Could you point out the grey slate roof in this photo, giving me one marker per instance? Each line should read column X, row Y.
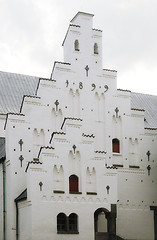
column 13, row 86
column 149, row 104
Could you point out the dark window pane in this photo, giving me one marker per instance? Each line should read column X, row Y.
column 73, row 222
column 61, row 222
column 115, row 145
column 73, row 183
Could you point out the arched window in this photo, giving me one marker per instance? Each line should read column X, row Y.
column 96, row 48
column 115, row 145
column 73, row 222
column 73, row 183
column 76, row 45
column 61, row 222
column 67, row 224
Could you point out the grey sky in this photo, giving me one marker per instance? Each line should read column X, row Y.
column 32, row 32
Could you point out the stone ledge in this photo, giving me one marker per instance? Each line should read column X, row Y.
column 58, row 191
column 91, row 193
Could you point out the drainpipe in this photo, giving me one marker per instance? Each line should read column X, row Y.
column 17, row 221
column 4, row 210
column 21, row 197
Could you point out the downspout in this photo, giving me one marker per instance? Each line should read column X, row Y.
column 17, row 220
column 4, row 210
column 4, row 231
column 21, row 197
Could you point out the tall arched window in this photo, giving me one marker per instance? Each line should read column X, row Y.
column 115, row 145
column 76, row 45
column 73, row 222
column 73, row 183
column 61, row 222
column 96, row 48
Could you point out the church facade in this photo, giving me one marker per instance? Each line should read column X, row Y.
column 78, row 157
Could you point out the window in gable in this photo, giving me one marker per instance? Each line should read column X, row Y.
column 96, row 48
column 76, row 45
column 115, row 145
column 73, row 183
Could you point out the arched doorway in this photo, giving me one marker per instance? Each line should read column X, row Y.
column 101, row 223
column 105, row 223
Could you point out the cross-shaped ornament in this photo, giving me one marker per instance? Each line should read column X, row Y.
column 56, row 103
column 21, row 143
column 108, row 188
column 21, row 158
column 74, row 147
column 148, row 154
column 117, row 110
column 40, row 184
column 67, row 83
column 87, row 69
column 148, row 168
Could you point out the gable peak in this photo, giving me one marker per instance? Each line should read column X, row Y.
column 81, row 16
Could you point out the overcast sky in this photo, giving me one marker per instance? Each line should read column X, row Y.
column 32, row 32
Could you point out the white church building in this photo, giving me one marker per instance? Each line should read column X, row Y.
column 78, row 157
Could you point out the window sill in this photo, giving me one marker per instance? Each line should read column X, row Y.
column 116, row 154
column 68, row 232
column 117, row 165
column 91, row 193
column 75, row 192
column 133, row 166
column 58, row 191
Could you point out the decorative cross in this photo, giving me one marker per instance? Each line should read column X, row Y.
column 108, row 188
column 74, row 147
column 67, row 83
column 21, row 159
column 20, row 142
column 87, row 69
column 148, row 168
column 56, row 103
column 148, row 154
column 116, row 110
column 40, row 184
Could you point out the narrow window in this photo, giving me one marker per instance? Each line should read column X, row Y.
column 76, row 45
column 73, row 183
column 73, row 222
column 61, row 222
column 96, row 48
column 115, row 145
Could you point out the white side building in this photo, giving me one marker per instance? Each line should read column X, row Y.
column 78, row 157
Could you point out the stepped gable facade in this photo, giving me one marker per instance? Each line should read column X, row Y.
column 78, row 157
